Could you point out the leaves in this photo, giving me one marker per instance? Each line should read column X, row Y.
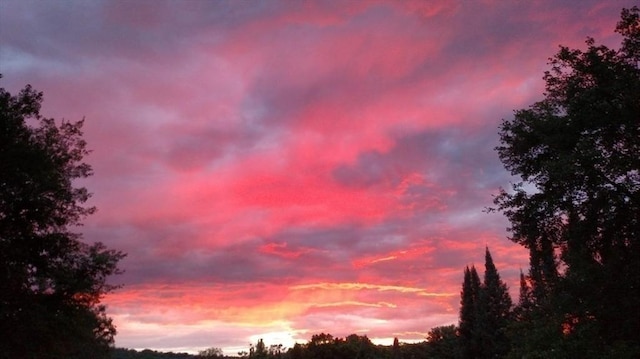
column 51, row 282
column 577, row 208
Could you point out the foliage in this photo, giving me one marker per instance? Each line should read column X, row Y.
column 497, row 308
column 51, row 283
column 212, row 352
column 577, row 208
column 485, row 312
column 469, row 312
column 350, row 347
column 443, row 342
column 353, row 346
column 395, row 349
column 324, row 345
column 122, row 353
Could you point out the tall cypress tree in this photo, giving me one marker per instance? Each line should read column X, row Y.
column 469, row 312
column 485, row 313
column 496, row 304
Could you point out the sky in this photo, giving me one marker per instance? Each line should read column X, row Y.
column 278, row 169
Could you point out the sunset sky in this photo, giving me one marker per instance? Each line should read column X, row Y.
column 277, row 169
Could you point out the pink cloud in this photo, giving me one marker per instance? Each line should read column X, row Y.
column 281, row 250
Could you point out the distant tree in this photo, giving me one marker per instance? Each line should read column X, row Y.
column 259, row 351
column 51, row 283
column 415, row 350
column 443, row 342
column 121, row 353
column 297, row 351
column 322, row 346
column 395, row 349
column 326, row 346
column 355, row 346
column 322, row 338
column 211, row 353
column 577, row 153
column 276, row 351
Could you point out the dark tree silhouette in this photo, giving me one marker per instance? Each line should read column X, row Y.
column 443, row 342
column 395, row 349
column 485, row 313
column 51, row 283
column 259, row 350
column 577, row 208
column 469, row 314
column 210, row 353
column 496, row 305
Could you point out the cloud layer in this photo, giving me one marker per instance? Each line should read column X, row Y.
column 279, row 169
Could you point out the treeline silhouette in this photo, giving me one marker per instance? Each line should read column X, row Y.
column 320, row 346
column 123, row 353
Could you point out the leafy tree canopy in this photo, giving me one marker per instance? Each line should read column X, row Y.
column 577, row 206
column 51, row 282
column 209, row 353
